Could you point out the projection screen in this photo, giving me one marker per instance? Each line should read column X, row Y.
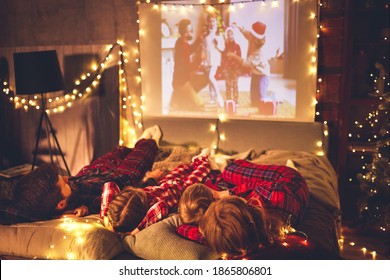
column 248, row 60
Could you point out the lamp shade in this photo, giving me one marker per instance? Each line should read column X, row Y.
column 37, row 72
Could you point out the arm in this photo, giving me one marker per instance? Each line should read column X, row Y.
column 152, row 177
column 239, row 60
column 155, row 214
column 244, row 32
column 219, row 43
column 235, row 57
column 80, row 211
column 198, row 42
column 238, row 50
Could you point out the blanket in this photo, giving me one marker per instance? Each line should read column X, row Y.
column 86, row 238
column 317, row 171
column 168, row 158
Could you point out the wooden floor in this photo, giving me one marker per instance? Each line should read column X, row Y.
column 364, row 244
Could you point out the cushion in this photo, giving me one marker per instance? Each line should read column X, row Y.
column 9, row 214
column 161, row 242
column 76, row 238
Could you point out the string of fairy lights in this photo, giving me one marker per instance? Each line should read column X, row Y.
column 217, row 127
column 371, row 121
column 132, row 104
column 82, row 89
column 74, row 233
column 365, row 130
column 131, row 117
column 83, row 86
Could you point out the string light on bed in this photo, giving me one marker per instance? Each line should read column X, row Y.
column 75, row 230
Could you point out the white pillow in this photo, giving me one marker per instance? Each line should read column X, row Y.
column 75, row 238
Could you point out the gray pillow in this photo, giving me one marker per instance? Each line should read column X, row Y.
column 161, row 242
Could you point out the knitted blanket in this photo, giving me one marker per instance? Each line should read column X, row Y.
column 170, row 157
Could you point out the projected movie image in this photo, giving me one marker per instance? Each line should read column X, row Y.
column 247, row 60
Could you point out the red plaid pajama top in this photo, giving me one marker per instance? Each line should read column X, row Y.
column 164, row 198
column 123, row 166
column 276, row 187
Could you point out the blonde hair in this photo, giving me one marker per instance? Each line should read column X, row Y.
column 194, row 202
column 127, row 209
column 232, row 227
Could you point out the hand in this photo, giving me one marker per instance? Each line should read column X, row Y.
column 81, row 211
column 234, row 25
column 135, row 231
column 107, row 224
column 156, row 174
column 220, row 194
column 230, row 54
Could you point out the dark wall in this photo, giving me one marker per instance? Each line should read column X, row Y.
column 66, row 22
column 34, row 24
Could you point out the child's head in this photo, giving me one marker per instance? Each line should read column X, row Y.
column 232, row 227
column 185, row 29
column 194, row 202
column 257, row 31
column 212, row 21
column 229, row 32
column 39, row 191
column 127, row 209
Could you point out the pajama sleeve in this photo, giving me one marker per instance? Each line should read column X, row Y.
column 155, row 214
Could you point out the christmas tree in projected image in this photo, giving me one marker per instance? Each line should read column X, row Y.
column 374, row 206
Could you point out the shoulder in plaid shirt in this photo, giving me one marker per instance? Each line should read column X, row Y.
column 123, row 166
column 163, row 199
column 276, row 187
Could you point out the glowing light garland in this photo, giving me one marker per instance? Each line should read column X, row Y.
column 131, row 116
column 136, row 102
column 131, row 123
column 373, row 129
column 366, row 253
column 76, row 230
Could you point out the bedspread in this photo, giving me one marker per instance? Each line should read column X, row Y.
column 46, row 239
column 318, row 172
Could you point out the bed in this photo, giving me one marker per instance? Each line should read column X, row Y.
column 305, row 144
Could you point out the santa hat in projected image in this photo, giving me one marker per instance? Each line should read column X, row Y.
column 258, row 29
column 230, row 29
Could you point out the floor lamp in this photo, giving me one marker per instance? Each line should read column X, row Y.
column 38, row 73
